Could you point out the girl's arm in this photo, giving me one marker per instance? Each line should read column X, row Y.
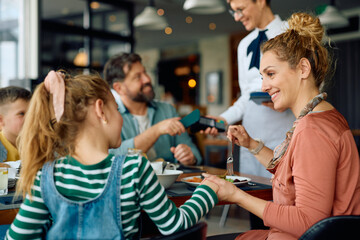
column 163, row 211
column 32, row 218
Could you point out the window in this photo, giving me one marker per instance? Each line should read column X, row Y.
column 78, row 35
column 9, row 40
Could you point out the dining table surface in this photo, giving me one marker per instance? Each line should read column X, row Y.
column 179, row 192
column 258, row 186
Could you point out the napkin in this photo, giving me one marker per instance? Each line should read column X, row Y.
column 14, row 164
column 14, row 168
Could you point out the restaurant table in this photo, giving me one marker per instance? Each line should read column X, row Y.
column 261, row 187
column 178, row 193
column 9, row 207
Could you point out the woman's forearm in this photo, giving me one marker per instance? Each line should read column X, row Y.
column 252, row 204
column 265, row 154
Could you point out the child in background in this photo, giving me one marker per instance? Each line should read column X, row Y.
column 69, row 177
column 14, row 102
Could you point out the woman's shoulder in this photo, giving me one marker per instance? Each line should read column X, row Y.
column 330, row 123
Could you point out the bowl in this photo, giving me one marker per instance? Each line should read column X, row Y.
column 168, row 177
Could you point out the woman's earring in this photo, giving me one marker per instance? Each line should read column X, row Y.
column 105, row 121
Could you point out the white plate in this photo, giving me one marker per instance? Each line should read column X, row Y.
column 243, row 180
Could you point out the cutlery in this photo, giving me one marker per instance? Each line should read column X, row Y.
column 164, row 164
column 230, row 161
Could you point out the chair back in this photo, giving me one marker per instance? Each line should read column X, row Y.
column 336, row 227
column 198, row 232
column 3, row 230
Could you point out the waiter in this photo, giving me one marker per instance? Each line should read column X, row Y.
column 260, row 121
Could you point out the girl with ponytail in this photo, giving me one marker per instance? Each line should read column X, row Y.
column 72, row 187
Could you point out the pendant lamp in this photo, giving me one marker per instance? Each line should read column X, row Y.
column 149, row 19
column 331, row 17
column 204, row 6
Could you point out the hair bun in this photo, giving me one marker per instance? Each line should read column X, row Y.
column 306, row 25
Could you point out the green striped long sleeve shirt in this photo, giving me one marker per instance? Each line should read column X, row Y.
column 140, row 190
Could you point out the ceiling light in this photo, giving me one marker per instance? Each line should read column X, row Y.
column 188, row 19
column 331, row 17
column 168, row 30
column 150, row 20
column 160, row 11
column 192, row 83
column 204, row 6
column 81, row 58
column 212, row 26
column 95, row 5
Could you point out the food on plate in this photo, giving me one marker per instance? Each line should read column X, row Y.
column 231, row 180
column 198, row 179
column 4, row 165
column 194, row 179
column 235, row 180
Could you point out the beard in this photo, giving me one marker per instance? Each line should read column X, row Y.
column 141, row 96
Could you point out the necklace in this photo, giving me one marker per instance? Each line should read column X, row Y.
column 281, row 149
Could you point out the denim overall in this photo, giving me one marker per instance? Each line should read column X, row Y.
column 98, row 218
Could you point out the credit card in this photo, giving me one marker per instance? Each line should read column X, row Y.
column 191, row 118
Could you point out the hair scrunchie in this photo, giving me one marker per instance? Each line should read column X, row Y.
column 55, row 85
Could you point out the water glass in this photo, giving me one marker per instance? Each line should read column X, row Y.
column 3, row 181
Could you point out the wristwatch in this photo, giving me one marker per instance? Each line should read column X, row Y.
column 258, row 148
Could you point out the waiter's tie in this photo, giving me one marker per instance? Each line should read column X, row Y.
column 254, row 47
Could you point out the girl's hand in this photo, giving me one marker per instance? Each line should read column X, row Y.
column 210, row 184
column 238, row 134
column 227, row 191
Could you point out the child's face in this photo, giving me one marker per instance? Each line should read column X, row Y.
column 12, row 119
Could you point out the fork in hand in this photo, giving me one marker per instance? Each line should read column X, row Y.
column 230, row 162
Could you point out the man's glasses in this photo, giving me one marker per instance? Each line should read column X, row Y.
column 237, row 13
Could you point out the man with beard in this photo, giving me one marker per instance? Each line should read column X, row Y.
column 149, row 125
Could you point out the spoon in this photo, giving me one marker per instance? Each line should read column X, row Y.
column 164, row 164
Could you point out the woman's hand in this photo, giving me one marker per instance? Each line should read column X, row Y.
column 227, row 191
column 238, row 134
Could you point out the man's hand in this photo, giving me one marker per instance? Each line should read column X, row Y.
column 171, row 126
column 183, row 154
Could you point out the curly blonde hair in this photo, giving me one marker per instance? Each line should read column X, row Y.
column 303, row 39
column 42, row 139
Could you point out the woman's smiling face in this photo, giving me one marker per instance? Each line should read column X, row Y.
column 279, row 80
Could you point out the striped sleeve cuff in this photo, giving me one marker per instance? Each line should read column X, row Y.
column 208, row 194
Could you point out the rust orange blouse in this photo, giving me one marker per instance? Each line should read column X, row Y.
column 318, row 177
